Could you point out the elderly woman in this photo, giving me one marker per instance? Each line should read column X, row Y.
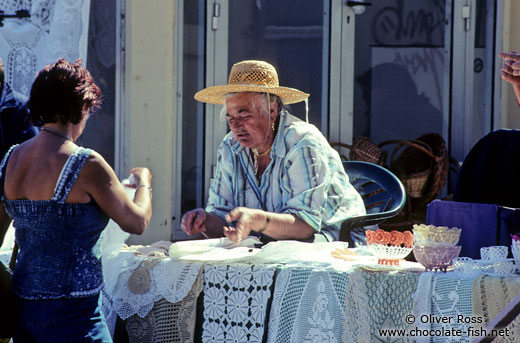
column 277, row 176
column 61, row 197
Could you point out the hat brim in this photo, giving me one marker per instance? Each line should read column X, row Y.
column 215, row 94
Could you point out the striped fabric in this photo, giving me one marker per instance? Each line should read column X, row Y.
column 305, row 178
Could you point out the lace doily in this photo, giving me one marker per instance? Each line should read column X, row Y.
column 308, row 305
column 378, row 300
column 490, row 295
column 167, row 322
column 235, row 302
column 168, row 279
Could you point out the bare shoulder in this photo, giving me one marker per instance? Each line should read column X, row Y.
column 96, row 171
column 96, row 162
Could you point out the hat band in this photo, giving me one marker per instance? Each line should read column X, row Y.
column 253, row 85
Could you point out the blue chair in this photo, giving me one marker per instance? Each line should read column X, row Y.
column 382, row 192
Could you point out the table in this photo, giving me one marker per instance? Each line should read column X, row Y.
column 300, row 300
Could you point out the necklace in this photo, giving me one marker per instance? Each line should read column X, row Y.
column 265, row 152
column 56, row 133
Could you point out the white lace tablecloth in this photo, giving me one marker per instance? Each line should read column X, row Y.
column 310, row 291
column 154, row 278
column 445, row 295
column 330, row 305
column 235, row 302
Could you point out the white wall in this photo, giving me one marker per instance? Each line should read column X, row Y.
column 147, row 121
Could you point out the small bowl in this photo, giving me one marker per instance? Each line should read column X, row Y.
column 436, row 258
column 435, row 236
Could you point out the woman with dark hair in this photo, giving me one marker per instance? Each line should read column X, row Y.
column 61, row 197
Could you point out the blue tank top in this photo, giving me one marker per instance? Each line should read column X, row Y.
column 60, row 243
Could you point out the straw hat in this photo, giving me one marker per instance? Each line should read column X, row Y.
column 251, row 76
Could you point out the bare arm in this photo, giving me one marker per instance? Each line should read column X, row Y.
column 277, row 225
column 5, row 221
column 104, row 187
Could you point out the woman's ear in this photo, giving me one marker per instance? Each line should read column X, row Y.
column 273, row 110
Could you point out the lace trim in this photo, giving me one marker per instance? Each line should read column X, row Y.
column 69, row 173
column 78, row 294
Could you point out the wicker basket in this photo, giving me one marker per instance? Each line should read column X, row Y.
column 362, row 149
column 416, row 184
column 421, row 164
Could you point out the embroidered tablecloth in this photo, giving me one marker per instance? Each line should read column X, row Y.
column 490, row 296
column 329, row 305
column 235, row 302
column 254, row 299
column 167, row 322
column 448, row 297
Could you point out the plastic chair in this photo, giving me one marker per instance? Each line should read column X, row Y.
column 382, row 192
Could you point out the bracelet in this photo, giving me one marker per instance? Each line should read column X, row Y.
column 149, row 188
column 266, row 224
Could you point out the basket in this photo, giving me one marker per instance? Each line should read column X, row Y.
column 421, row 164
column 363, row 149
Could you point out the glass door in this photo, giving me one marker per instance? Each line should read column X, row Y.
column 400, row 82
column 293, row 38
column 427, row 67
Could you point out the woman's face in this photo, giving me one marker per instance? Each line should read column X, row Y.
column 247, row 118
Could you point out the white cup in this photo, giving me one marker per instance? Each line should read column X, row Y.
column 505, row 268
column 494, row 252
column 465, row 265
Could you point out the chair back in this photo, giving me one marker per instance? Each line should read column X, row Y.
column 482, row 225
column 382, row 192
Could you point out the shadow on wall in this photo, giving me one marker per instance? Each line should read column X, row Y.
column 397, row 110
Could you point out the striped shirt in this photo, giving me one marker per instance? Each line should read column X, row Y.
column 305, row 178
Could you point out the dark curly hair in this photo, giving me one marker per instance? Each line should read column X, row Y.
column 63, row 91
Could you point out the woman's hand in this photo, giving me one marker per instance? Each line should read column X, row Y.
column 510, row 70
column 246, row 219
column 141, row 176
column 193, row 222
